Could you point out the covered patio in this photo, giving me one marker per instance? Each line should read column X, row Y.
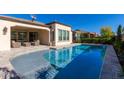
column 29, row 36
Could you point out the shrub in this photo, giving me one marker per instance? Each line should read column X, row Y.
column 97, row 40
column 78, row 41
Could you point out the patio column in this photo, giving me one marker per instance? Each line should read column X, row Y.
column 28, row 36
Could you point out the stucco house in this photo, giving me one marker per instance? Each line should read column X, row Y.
column 26, row 32
column 60, row 33
column 78, row 34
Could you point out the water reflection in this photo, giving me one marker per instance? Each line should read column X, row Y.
column 62, row 57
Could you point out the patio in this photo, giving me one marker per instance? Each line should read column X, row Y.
column 6, row 56
column 25, row 36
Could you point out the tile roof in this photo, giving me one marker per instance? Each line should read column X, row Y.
column 55, row 22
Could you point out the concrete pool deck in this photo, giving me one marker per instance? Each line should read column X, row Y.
column 110, row 69
column 6, row 56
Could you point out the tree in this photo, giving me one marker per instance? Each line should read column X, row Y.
column 123, row 30
column 119, row 32
column 113, row 33
column 106, row 32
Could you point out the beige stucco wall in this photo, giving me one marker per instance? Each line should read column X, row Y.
column 58, row 26
column 44, row 37
column 5, row 39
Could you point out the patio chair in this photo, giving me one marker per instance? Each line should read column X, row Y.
column 36, row 43
column 26, row 44
column 53, row 43
column 15, row 44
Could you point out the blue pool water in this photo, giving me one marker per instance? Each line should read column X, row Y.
column 76, row 62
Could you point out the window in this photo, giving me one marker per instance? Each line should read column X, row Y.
column 60, row 34
column 67, row 35
column 63, row 35
column 22, row 36
column 14, row 35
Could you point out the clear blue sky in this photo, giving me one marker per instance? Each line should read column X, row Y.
column 88, row 22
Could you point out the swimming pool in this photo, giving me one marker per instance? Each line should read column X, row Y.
column 76, row 62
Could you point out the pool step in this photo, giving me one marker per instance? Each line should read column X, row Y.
column 51, row 73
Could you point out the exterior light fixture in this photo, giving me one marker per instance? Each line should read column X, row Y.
column 5, row 30
column 52, row 29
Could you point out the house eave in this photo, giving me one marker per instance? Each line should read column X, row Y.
column 19, row 20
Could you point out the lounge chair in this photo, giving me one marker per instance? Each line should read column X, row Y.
column 15, row 44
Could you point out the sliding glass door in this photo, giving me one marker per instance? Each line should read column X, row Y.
column 33, row 36
column 24, row 36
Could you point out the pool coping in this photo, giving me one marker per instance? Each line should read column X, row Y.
column 111, row 68
column 64, row 46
